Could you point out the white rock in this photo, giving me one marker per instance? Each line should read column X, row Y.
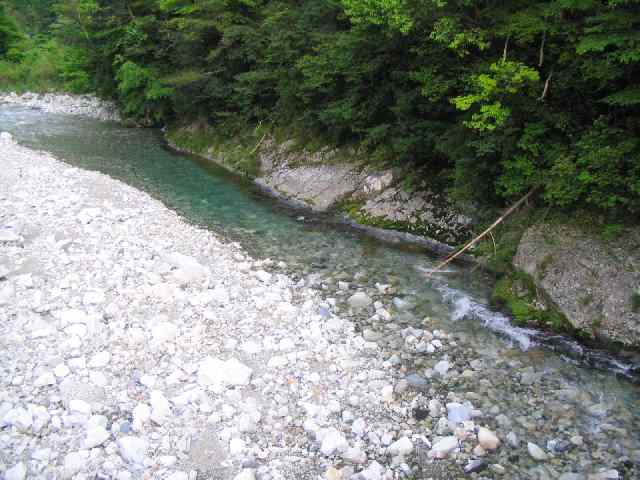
column 132, row 449
column 355, row 455
column 73, row 462
column 93, row 298
column 536, row 452
column 359, row 426
column 178, row 476
column 19, row 418
column 263, row 276
column 444, row 447
column 98, row 378
column 141, row 415
column 45, row 379
column 442, row 367
column 18, row 471
column 487, row 439
column 61, row 370
column 373, row 472
column 80, row 406
column 213, row 371
column 237, row 446
column 100, row 360
column 160, row 407
column 359, row 300
column 96, row 436
column 402, row 447
column 333, row 443
column 245, row 474
column 164, row 332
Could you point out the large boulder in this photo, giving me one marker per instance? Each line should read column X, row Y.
column 593, row 281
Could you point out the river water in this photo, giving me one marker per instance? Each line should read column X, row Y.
column 541, row 389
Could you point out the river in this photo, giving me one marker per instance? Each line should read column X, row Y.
column 588, row 417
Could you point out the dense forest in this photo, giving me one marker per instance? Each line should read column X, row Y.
column 495, row 97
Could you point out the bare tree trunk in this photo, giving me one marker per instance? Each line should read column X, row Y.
column 506, row 48
column 544, row 39
column 546, row 86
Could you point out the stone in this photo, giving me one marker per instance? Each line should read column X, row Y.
column 355, row 455
column 402, row 447
column 44, row 380
column 536, row 452
column 80, row 406
column 141, row 415
column 245, row 474
column 164, row 332
column 332, row 474
column 132, row 449
column 475, row 466
column 96, row 436
column 333, row 443
column 443, row 447
column 213, row 371
column 374, row 471
column 458, row 413
column 17, row 472
column 74, row 462
column 160, row 407
column 442, row 367
column 237, row 446
column 100, row 360
column 178, row 476
column 487, row 439
column 61, row 370
column 359, row 301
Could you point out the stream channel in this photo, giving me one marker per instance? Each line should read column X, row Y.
column 581, row 406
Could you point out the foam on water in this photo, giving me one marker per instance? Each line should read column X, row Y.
column 466, row 308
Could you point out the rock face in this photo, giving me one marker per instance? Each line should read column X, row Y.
column 320, row 181
column 314, row 180
column 593, row 282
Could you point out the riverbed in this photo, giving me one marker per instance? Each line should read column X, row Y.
column 584, row 419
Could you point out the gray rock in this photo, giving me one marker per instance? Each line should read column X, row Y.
column 536, row 452
column 359, row 300
column 591, row 281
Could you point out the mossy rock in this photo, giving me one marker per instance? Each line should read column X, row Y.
column 516, row 294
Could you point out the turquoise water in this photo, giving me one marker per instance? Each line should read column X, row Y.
column 321, row 252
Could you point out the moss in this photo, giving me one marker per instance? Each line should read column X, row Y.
column 516, row 294
column 237, row 154
column 543, row 266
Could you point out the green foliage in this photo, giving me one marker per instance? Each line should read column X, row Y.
column 496, row 97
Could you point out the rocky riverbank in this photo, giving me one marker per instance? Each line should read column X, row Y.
column 86, row 105
column 134, row 345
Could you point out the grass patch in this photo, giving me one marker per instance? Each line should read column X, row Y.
column 635, row 301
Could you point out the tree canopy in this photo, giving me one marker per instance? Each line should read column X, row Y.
column 494, row 97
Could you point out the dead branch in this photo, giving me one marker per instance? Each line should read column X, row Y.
column 255, row 149
column 506, row 48
column 546, row 86
column 544, row 39
column 475, row 240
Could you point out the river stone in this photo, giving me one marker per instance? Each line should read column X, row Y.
column 245, row 474
column 475, row 466
column 359, row 300
column 213, row 371
column 96, row 436
column 402, row 447
column 333, row 442
column 487, row 439
column 536, row 452
column 132, row 449
column 564, row 269
column 17, row 472
column 458, row 413
column 444, row 447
